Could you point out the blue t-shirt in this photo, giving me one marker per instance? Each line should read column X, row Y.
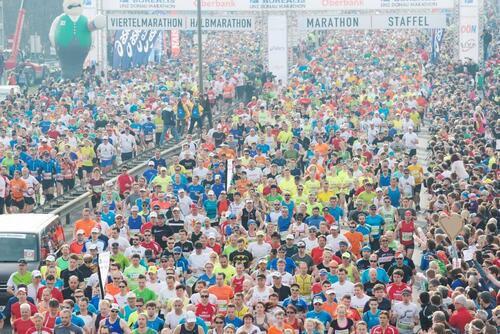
column 284, row 223
column 75, row 320
column 210, row 208
column 324, row 317
column 337, row 212
column 237, row 322
column 375, row 222
column 300, row 303
column 371, row 319
column 210, row 280
column 289, row 265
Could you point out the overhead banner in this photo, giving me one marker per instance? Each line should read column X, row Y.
column 468, row 33
column 424, row 21
column 408, row 21
column 157, row 22
column 251, row 5
column 277, row 46
column 335, row 22
column 132, row 48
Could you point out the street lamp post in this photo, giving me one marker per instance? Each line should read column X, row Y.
column 200, row 50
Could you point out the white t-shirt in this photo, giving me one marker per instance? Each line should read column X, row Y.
column 359, row 303
column 343, row 289
column 254, row 175
column 127, row 143
column 406, row 315
column 198, row 262
column 259, row 251
column 410, row 140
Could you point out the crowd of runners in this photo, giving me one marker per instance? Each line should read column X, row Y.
column 327, row 222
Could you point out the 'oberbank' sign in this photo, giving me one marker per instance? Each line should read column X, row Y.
column 270, row 5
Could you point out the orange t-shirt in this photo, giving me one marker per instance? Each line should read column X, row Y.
column 275, row 330
column 17, row 189
column 356, row 240
column 111, row 289
column 322, row 149
column 331, row 309
column 222, row 293
column 86, row 225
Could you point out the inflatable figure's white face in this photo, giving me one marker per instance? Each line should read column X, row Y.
column 73, row 7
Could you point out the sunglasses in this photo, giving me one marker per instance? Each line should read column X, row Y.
column 219, row 322
column 373, row 261
column 122, row 286
column 114, row 311
column 204, row 296
column 139, row 305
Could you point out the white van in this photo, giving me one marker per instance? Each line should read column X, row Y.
column 31, row 237
column 6, row 90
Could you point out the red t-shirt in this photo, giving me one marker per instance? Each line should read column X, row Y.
column 125, row 183
column 55, row 293
column 389, row 330
column 153, row 245
column 394, row 291
column 317, row 255
column 21, row 326
column 206, row 312
column 16, row 310
column 43, row 330
column 48, row 321
column 460, row 318
column 76, row 248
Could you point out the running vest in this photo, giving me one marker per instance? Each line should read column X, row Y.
column 305, row 284
column 114, row 327
column 406, row 233
column 184, row 330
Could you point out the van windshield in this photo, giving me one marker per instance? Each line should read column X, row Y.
column 18, row 245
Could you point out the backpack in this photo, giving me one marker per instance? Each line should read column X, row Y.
column 196, row 112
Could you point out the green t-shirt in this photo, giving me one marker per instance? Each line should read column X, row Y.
column 149, row 331
column 121, row 259
column 146, row 294
column 17, row 278
column 62, row 263
column 132, row 273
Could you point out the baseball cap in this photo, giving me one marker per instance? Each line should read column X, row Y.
column 152, row 269
column 301, row 244
column 276, row 275
column 317, row 300
column 36, row 273
column 151, row 163
column 190, row 316
column 134, row 208
column 153, row 215
column 131, row 295
column 366, row 249
column 80, row 231
column 94, row 230
column 22, row 261
column 177, row 249
column 115, row 307
column 211, row 236
column 406, row 292
column 346, row 255
column 290, row 237
column 330, row 291
column 260, row 232
column 50, row 258
column 115, row 244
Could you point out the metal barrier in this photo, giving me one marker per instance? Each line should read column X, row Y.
column 75, row 200
column 75, row 204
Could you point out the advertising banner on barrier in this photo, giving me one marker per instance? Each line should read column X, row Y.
column 278, row 46
column 424, row 21
column 157, row 22
column 416, row 21
column 250, row 5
